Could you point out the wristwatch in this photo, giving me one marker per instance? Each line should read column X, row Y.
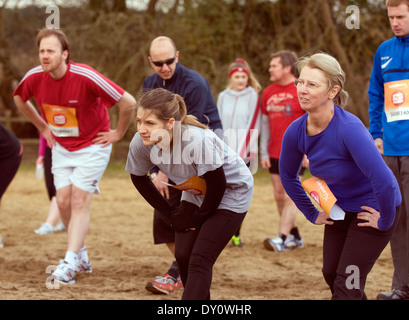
column 153, row 175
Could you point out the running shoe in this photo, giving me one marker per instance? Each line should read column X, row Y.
column 64, row 273
column 236, row 242
column 178, row 284
column 45, row 228
column 396, row 294
column 83, row 266
column 163, row 285
column 292, row 243
column 59, row 227
column 275, row 244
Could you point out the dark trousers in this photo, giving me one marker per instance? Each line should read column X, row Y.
column 198, row 250
column 400, row 238
column 8, row 169
column 350, row 252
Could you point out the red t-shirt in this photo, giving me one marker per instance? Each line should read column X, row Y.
column 75, row 106
column 281, row 104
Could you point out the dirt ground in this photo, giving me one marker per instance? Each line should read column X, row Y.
column 124, row 258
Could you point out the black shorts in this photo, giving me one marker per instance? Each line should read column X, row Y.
column 274, row 167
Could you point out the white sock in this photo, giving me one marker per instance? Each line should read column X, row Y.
column 71, row 258
column 83, row 254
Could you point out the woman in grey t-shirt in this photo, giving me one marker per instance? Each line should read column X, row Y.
column 183, row 148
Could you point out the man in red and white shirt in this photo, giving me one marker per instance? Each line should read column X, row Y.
column 280, row 107
column 73, row 100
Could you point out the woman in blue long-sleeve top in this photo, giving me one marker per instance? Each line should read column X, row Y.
column 343, row 154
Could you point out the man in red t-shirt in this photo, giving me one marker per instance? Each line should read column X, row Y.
column 73, row 100
column 280, row 107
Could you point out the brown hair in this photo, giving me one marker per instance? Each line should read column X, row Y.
column 396, row 3
column 288, row 58
column 62, row 38
column 166, row 105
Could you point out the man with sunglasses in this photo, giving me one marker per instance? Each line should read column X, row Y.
column 195, row 90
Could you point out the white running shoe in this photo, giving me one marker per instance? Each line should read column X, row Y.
column 45, row 228
column 64, row 273
column 59, row 227
column 82, row 266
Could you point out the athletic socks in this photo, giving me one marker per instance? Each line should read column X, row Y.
column 295, row 233
column 282, row 236
column 71, row 258
column 83, row 254
column 174, row 271
column 74, row 258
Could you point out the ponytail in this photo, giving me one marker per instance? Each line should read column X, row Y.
column 184, row 117
column 167, row 105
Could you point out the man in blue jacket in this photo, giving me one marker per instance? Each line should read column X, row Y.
column 389, row 126
column 195, row 90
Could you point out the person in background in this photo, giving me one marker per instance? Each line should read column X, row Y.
column 342, row 153
column 43, row 168
column 183, row 148
column 73, row 99
column 11, row 153
column 240, row 111
column 389, row 126
column 280, row 107
column 171, row 75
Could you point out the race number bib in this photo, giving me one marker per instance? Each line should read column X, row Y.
column 397, row 100
column 62, row 120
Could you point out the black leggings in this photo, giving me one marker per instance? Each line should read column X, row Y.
column 351, row 251
column 8, row 169
column 197, row 251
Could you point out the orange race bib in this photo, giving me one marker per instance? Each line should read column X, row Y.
column 319, row 191
column 195, row 185
column 397, row 100
column 62, row 120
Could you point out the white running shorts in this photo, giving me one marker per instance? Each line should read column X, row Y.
column 83, row 168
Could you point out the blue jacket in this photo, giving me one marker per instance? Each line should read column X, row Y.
column 194, row 89
column 391, row 63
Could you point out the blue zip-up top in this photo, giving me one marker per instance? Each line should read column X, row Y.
column 194, row 89
column 391, row 63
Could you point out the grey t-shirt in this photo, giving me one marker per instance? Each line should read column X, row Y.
column 195, row 152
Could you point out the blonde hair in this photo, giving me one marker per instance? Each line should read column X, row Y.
column 332, row 71
column 241, row 63
column 166, row 105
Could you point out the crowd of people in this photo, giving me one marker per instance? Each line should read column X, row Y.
column 183, row 132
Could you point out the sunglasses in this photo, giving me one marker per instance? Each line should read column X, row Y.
column 161, row 63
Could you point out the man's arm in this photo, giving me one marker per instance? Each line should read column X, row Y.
column 126, row 105
column 27, row 108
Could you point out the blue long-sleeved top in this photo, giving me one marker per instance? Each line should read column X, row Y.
column 345, row 157
column 391, row 63
column 194, row 89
